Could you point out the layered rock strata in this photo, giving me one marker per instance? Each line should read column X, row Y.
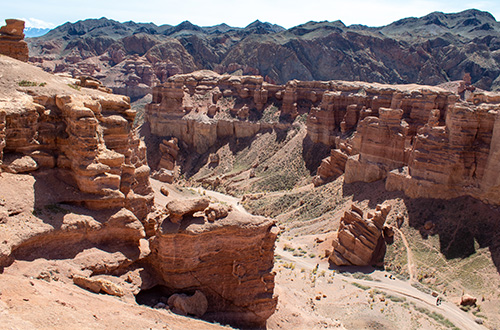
column 452, row 155
column 86, row 157
column 457, row 159
column 230, row 261
column 169, row 151
column 331, row 167
column 11, row 40
column 202, row 107
column 86, row 136
column 360, row 239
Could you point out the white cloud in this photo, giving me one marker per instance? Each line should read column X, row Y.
column 38, row 23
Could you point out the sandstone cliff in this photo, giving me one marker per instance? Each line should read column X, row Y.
column 229, row 260
column 425, row 135
column 441, row 148
column 86, row 136
column 203, row 107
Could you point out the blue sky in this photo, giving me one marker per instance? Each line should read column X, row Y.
column 287, row 13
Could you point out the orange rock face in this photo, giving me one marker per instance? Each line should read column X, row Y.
column 80, row 209
column 11, row 40
column 87, row 137
column 229, row 261
column 331, row 167
column 456, row 159
column 360, row 240
column 187, row 107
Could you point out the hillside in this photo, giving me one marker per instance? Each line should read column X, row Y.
column 130, row 57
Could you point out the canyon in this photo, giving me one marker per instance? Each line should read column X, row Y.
column 77, row 206
column 235, row 176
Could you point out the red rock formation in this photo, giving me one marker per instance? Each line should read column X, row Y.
column 169, row 151
column 229, row 261
column 11, row 40
column 98, row 161
column 382, row 145
column 331, row 167
column 87, row 137
column 454, row 160
column 360, row 240
column 178, row 209
column 188, row 107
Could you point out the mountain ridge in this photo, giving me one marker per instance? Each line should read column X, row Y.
column 432, row 49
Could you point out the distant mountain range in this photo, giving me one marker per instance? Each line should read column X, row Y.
column 31, row 32
column 130, row 57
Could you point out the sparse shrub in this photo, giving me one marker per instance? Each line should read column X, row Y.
column 54, row 208
column 396, row 299
column 361, row 286
column 75, row 87
column 27, row 83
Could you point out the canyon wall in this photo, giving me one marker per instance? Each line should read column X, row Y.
column 201, row 107
column 87, row 137
column 428, row 141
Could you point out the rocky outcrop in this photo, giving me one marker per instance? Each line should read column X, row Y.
column 11, row 40
column 169, row 151
column 230, row 261
column 178, row 209
column 183, row 304
column 202, row 107
column 98, row 285
column 456, row 159
column 83, row 210
column 217, row 211
column 360, row 240
column 86, row 136
column 331, row 167
column 383, row 143
column 467, row 300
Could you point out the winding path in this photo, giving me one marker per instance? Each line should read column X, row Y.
column 383, row 280
column 409, row 255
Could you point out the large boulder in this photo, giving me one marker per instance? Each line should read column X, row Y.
column 98, row 285
column 183, row 304
column 180, row 208
column 217, row 211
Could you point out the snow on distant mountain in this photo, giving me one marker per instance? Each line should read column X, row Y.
column 31, row 32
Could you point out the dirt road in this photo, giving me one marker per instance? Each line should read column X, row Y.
column 385, row 281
